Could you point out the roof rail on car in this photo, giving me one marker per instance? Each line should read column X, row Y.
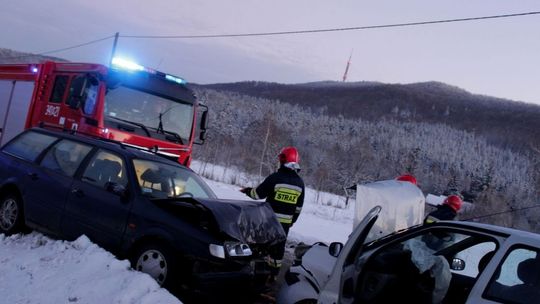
column 45, row 125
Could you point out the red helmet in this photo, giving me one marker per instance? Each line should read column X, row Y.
column 454, row 202
column 407, row 178
column 289, row 155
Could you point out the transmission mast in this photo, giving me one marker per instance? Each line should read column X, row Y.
column 347, row 67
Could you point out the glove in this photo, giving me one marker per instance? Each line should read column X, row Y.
column 246, row 191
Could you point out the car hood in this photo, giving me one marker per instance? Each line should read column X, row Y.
column 318, row 261
column 251, row 222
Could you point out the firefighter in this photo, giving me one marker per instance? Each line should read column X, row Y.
column 445, row 212
column 284, row 191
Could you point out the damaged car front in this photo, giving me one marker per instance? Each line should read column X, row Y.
column 212, row 245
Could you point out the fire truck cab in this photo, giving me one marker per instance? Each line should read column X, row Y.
column 126, row 102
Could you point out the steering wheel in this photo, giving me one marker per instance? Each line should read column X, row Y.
column 185, row 194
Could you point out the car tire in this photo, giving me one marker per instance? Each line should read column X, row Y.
column 11, row 214
column 156, row 260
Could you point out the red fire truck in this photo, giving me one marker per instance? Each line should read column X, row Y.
column 126, row 102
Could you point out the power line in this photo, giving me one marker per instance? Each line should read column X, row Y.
column 62, row 49
column 368, row 27
column 502, row 212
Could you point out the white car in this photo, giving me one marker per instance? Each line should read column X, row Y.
column 444, row 262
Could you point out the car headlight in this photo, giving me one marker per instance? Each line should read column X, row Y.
column 231, row 249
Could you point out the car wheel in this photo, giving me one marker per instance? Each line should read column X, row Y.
column 11, row 214
column 156, row 261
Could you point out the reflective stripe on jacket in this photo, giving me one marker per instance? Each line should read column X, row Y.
column 284, row 190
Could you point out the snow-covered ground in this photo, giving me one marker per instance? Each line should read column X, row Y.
column 36, row 269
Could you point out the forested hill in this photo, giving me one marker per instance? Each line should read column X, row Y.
column 8, row 56
column 502, row 122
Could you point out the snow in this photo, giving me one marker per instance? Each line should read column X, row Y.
column 37, row 269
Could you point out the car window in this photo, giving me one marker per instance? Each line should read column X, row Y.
column 29, row 145
column 417, row 268
column 517, row 279
column 105, row 167
column 65, row 156
column 476, row 258
column 161, row 180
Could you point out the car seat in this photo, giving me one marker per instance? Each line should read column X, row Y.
column 103, row 171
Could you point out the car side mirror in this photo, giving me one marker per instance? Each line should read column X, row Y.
column 335, row 249
column 457, row 264
column 116, row 188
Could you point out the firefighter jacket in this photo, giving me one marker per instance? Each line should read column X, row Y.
column 284, row 190
column 443, row 213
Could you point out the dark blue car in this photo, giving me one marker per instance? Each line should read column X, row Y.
column 136, row 204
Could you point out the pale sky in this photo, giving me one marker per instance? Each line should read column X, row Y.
column 499, row 57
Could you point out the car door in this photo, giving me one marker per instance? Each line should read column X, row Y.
column 50, row 182
column 430, row 263
column 343, row 271
column 96, row 205
column 512, row 276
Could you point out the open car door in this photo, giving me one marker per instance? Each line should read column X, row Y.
column 340, row 286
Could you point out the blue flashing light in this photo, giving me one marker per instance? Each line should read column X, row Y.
column 127, row 65
column 34, row 69
column 175, row 79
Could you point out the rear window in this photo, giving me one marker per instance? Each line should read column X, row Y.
column 29, row 145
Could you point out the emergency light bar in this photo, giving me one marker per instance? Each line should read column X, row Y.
column 175, row 79
column 132, row 66
column 126, row 64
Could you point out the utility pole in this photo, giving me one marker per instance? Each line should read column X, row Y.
column 115, row 42
column 347, row 67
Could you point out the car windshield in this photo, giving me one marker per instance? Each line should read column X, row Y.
column 160, row 180
column 152, row 111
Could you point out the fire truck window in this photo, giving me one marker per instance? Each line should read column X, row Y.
column 59, row 89
column 90, row 101
column 65, row 157
column 76, row 92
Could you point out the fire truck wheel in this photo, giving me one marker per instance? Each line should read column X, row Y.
column 11, row 214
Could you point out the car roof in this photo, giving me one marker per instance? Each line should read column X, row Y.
column 493, row 228
column 116, row 146
column 521, row 235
